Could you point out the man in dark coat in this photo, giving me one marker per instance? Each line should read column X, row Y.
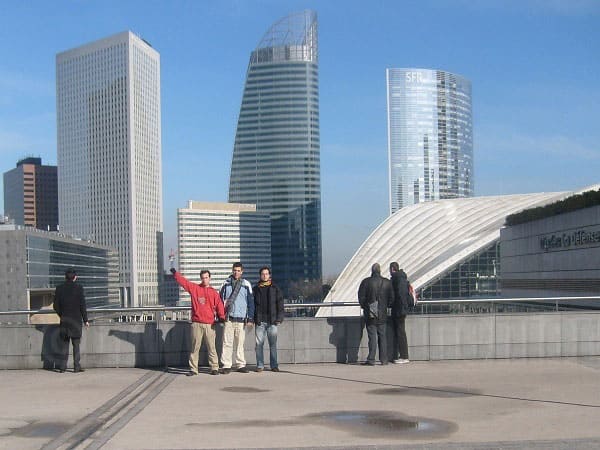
column 268, row 314
column 375, row 296
column 399, row 311
column 69, row 304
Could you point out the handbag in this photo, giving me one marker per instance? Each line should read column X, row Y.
column 373, row 310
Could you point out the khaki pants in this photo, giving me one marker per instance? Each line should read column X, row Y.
column 233, row 345
column 199, row 332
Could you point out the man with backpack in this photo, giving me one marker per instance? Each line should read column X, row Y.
column 236, row 293
column 400, row 306
column 375, row 296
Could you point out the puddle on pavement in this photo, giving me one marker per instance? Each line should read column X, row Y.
column 243, row 389
column 385, row 424
column 369, row 424
column 40, row 430
column 427, row 391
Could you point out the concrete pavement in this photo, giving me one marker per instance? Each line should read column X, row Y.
column 513, row 403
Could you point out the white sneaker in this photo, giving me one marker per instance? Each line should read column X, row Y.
column 401, row 361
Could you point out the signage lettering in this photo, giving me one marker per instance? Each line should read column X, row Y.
column 566, row 240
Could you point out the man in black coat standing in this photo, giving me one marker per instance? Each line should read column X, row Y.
column 69, row 304
column 399, row 311
column 375, row 296
column 268, row 314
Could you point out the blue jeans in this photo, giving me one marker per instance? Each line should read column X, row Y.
column 271, row 332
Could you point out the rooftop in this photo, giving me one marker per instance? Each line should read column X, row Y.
column 512, row 403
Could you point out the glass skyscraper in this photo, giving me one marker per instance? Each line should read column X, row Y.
column 276, row 155
column 430, row 136
column 109, row 156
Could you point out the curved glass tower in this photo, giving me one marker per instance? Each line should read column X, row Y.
column 430, row 139
column 276, row 155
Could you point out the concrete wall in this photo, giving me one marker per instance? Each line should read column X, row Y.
column 315, row 340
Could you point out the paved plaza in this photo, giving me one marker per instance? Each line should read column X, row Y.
column 512, row 404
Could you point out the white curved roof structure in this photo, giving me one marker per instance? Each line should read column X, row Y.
column 428, row 239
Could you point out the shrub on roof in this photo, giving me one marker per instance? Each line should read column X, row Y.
column 573, row 203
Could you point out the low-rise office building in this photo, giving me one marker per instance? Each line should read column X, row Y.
column 33, row 263
column 553, row 257
column 212, row 236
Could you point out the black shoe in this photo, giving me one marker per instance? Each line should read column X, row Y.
column 61, row 370
column 384, row 363
column 243, row 369
column 214, row 372
column 274, row 369
column 79, row 369
column 191, row 374
column 368, row 363
column 226, row 371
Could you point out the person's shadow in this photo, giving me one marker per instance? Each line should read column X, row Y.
column 346, row 335
column 51, row 352
column 152, row 350
column 147, row 344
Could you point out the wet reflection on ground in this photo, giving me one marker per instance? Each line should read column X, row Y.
column 427, row 391
column 385, row 424
column 37, row 430
column 243, row 389
column 370, row 424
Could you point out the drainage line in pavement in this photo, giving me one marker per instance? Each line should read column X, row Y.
column 535, row 400
column 98, row 418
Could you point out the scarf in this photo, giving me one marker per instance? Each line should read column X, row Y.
column 264, row 283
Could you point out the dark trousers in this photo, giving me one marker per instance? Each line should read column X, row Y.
column 64, row 353
column 376, row 334
column 400, row 342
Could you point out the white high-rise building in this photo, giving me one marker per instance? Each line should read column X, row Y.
column 213, row 236
column 109, row 156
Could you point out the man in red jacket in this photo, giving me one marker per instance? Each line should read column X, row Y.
column 206, row 308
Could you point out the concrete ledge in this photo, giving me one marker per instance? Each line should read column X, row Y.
column 309, row 340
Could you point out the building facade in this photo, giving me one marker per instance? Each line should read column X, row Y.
column 430, row 136
column 33, row 263
column 212, row 236
column 276, row 155
column 553, row 257
column 109, row 156
column 31, row 194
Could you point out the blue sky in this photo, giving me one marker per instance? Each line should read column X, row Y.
column 534, row 67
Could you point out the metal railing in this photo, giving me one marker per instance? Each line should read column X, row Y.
column 422, row 307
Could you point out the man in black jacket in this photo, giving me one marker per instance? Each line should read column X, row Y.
column 399, row 311
column 69, row 304
column 268, row 314
column 375, row 296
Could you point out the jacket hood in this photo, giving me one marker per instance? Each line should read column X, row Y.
column 400, row 274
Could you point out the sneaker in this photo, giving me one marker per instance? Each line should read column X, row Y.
column 214, row 372
column 403, row 361
column 243, row 369
column 226, row 371
column 191, row 374
column 368, row 363
column 274, row 369
column 259, row 369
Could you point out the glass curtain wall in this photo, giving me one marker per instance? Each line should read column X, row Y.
column 276, row 156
